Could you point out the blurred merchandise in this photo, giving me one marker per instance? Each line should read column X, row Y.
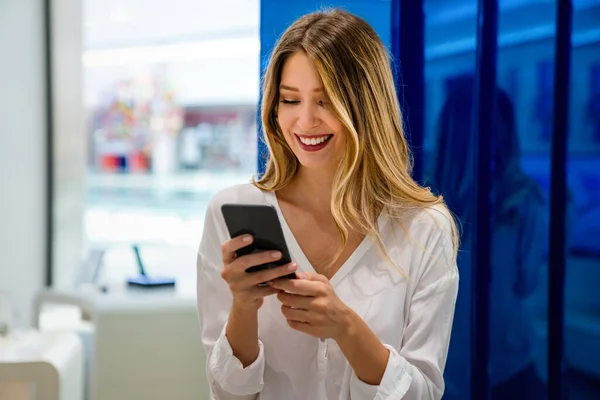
column 219, row 138
column 135, row 126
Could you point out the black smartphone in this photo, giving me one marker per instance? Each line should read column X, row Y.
column 262, row 222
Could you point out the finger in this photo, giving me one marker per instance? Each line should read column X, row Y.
column 311, row 276
column 299, row 326
column 229, row 247
column 304, row 327
column 241, row 264
column 294, row 314
column 271, row 274
column 295, row 301
column 300, row 286
column 258, row 292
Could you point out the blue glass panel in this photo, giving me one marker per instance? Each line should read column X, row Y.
column 582, row 302
column 520, row 197
column 450, row 37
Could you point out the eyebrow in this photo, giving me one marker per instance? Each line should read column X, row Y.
column 293, row 89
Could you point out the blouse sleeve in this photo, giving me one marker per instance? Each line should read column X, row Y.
column 227, row 377
column 415, row 370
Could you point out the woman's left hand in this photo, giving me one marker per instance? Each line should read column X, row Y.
column 310, row 305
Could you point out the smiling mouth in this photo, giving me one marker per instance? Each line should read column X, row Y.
column 314, row 140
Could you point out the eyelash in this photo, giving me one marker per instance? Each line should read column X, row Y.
column 293, row 102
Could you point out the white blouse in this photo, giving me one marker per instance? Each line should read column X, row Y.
column 411, row 316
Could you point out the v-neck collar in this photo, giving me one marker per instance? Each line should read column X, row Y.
column 300, row 258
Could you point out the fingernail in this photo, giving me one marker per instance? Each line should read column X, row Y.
column 247, row 239
column 301, row 275
column 275, row 254
column 291, row 267
column 268, row 283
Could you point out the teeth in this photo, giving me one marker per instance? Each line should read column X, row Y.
column 313, row 141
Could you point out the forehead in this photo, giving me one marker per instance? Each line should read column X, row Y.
column 301, row 73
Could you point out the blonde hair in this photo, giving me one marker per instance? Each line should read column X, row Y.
column 375, row 173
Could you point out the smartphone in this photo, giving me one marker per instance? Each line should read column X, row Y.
column 262, row 222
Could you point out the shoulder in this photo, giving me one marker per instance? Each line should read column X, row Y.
column 430, row 225
column 430, row 237
column 238, row 194
column 215, row 231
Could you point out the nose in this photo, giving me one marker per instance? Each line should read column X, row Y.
column 308, row 118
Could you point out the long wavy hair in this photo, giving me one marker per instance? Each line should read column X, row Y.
column 374, row 175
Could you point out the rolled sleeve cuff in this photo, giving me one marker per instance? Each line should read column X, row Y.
column 394, row 384
column 230, row 374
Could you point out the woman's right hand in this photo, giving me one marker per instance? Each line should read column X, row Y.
column 244, row 286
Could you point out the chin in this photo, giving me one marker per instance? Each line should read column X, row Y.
column 328, row 162
column 313, row 164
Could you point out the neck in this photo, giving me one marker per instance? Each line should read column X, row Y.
column 313, row 187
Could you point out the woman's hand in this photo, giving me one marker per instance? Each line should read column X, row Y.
column 310, row 305
column 249, row 289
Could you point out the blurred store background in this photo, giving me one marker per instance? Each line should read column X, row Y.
column 122, row 118
column 170, row 92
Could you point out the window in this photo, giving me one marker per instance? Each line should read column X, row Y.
column 170, row 107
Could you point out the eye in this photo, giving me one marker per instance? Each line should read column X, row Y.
column 284, row 101
column 323, row 103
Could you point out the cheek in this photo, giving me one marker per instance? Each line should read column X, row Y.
column 341, row 134
column 334, row 124
column 284, row 122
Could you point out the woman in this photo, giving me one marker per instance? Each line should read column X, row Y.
column 520, row 232
column 375, row 254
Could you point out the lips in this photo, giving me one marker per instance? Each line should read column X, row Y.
column 313, row 142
